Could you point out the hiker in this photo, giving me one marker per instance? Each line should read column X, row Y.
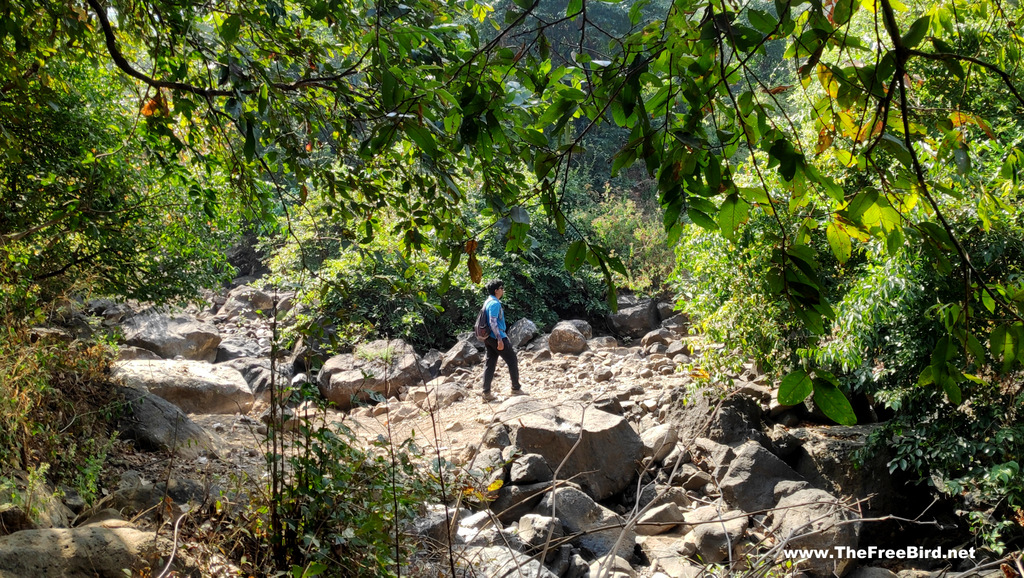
column 497, row 342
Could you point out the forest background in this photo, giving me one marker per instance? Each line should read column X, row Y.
column 831, row 188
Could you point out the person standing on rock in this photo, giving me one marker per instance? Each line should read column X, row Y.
column 497, row 342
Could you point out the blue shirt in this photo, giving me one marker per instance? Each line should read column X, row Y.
column 495, row 317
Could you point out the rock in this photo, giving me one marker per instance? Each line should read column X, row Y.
column 515, row 501
column 522, row 332
column 381, row 367
column 636, row 320
column 580, row 513
column 247, row 302
column 430, row 364
column 143, row 497
column 602, row 342
column 665, row 310
column 256, row 373
column 157, row 424
column 749, row 483
column 193, row 386
column 172, row 335
column 815, row 519
column 713, row 533
column 130, row 352
column 736, row 419
column 602, row 375
column 462, row 354
column 583, row 327
column 604, row 461
column 825, row 459
column 433, row 526
column 662, row 336
column 664, row 554
column 612, row 567
column 236, row 346
column 659, row 519
column 500, row 561
column 538, row 531
column 106, row 549
column 529, row 469
column 442, row 396
column 542, row 355
column 566, row 338
column 659, row 441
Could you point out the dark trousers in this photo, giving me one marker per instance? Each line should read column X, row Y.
column 506, row 353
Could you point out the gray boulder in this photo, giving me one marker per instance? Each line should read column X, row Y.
column 522, row 332
column 815, row 519
column 193, row 386
column 462, row 354
column 566, row 338
column 825, row 459
column 247, row 302
column 256, row 373
column 235, row 346
column 636, row 320
column 659, row 519
column 579, row 513
column 530, row 469
column 172, row 335
column 380, row 367
column 501, row 561
column 750, row 481
column 515, row 501
column 713, row 533
column 735, row 419
column 107, row 549
column 536, row 531
column 659, row 441
column 595, row 449
column 156, row 424
column 662, row 336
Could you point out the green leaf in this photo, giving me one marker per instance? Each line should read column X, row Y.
column 250, row 143
column 833, row 403
column 575, row 256
column 794, row 388
column 422, row 137
column 917, row 31
column 839, row 241
column 733, row 212
column 1003, row 344
column 843, row 10
column 701, row 219
column 229, row 29
column 519, row 215
column 763, row 21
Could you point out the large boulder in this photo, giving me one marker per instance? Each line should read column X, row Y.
column 603, row 531
column 826, row 458
column 566, row 338
column 157, row 424
column 813, row 519
column 522, row 332
column 108, row 549
column 256, row 372
column 752, row 477
column 713, row 532
column 172, row 335
column 635, row 320
column 193, row 386
column 247, row 302
column 733, row 420
column 380, row 367
column 595, row 449
column 462, row 354
column 236, row 346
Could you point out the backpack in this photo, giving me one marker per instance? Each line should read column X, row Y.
column 482, row 327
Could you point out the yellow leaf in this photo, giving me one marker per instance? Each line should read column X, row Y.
column 476, row 274
column 495, row 486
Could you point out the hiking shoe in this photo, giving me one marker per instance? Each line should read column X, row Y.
column 517, row 392
column 487, row 396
